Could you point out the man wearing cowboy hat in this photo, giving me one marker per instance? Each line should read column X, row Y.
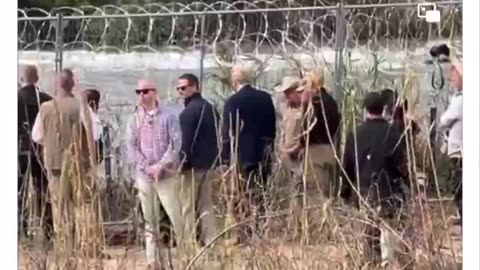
column 291, row 116
column 290, row 133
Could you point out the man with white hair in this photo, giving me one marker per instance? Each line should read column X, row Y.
column 248, row 131
column 153, row 148
column 451, row 120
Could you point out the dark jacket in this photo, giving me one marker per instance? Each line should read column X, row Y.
column 256, row 126
column 198, row 124
column 319, row 134
column 381, row 161
column 28, row 107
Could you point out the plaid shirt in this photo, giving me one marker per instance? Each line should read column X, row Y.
column 153, row 139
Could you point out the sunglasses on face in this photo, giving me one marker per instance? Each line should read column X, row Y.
column 181, row 88
column 143, row 91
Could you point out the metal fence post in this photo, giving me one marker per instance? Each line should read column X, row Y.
column 59, row 43
column 340, row 35
column 107, row 155
column 202, row 50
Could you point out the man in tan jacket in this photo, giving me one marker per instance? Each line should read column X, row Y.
column 61, row 127
column 289, row 145
column 291, row 127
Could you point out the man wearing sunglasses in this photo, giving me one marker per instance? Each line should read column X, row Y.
column 199, row 151
column 153, row 150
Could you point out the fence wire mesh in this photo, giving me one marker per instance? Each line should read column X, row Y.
column 262, row 31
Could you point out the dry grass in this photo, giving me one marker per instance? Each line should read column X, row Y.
column 336, row 242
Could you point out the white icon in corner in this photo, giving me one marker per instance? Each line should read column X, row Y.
column 429, row 12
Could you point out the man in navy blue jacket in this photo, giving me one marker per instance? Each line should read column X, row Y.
column 249, row 133
column 198, row 155
column 30, row 160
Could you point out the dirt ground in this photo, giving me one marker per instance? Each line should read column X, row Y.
column 333, row 257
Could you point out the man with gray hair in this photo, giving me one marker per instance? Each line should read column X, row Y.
column 248, row 131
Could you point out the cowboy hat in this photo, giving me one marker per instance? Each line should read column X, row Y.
column 290, row 82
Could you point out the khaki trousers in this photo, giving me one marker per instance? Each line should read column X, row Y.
column 76, row 215
column 151, row 194
column 320, row 168
column 318, row 174
column 195, row 194
column 61, row 194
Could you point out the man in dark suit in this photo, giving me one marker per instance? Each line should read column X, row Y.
column 29, row 153
column 249, row 133
column 198, row 155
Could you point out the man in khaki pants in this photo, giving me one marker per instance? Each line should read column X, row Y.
column 199, row 151
column 61, row 126
column 289, row 146
column 309, row 124
column 153, row 137
column 320, row 122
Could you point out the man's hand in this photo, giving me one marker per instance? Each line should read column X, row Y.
column 222, row 170
column 154, row 171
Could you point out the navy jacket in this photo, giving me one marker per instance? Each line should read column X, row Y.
column 28, row 106
column 198, row 124
column 255, row 123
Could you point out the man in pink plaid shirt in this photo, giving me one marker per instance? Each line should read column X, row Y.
column 153, row 149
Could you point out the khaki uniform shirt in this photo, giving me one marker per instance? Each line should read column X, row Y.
column 291, row 131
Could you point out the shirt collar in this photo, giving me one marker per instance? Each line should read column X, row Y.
column 192, row 97
column 241, row 86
